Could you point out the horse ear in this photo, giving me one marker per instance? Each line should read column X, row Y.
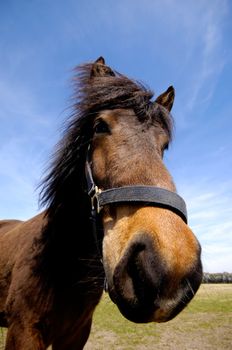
column 167, row 98
column 99, row 69
column 100, row 60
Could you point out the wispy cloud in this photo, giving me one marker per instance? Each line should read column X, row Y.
column 210, row 213
column 203, row 56
column 212, row 62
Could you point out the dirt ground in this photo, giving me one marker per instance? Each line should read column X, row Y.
column 171, row 338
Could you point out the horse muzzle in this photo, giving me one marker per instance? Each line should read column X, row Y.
column 145, row 290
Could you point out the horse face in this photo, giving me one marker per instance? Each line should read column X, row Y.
column 151, row 257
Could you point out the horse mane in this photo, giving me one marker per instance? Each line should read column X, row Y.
column 65, row 178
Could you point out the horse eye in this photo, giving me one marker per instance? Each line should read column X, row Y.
column 101, row 127
column 165, row 147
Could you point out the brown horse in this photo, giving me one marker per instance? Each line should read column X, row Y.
column 130, row 228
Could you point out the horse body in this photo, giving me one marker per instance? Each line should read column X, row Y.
column 53, row 266
column 59, row 317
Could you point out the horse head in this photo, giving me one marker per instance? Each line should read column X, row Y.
column 151, row 257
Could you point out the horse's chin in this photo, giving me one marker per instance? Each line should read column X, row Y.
column 135, row 312
column 145, row 312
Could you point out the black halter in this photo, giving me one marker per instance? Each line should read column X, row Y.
column 149, row 195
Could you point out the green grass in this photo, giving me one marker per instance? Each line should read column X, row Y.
column 2, row 338
column 213, row 298
column 205, row 324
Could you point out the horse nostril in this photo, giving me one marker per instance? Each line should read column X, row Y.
column 142, row 271
column 138, row 274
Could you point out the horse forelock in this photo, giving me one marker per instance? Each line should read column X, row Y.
column 93, row 95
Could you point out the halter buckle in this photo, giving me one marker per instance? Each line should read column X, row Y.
column 93, row 193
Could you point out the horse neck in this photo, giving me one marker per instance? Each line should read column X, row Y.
column 69, row 247
column 70, row 226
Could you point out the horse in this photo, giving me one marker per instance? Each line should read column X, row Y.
column 111, row 217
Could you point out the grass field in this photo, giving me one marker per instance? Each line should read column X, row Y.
column 205, row 324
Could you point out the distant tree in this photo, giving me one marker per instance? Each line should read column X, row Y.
column 224, row 277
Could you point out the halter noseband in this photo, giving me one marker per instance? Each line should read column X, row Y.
column 149, row 195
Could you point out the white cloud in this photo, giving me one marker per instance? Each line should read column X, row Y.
column 217, row 258
column 210, row 217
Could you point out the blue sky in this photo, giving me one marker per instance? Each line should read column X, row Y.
column 170, row 42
